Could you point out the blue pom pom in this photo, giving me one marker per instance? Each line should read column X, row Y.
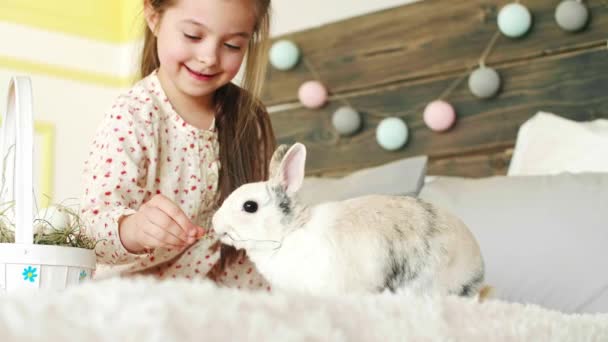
column 392, row 133
column 284, row 54
column 514, row 20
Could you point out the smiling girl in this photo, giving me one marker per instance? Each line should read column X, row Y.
column 173, row 147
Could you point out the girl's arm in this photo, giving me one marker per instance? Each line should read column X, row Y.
column 115, row 179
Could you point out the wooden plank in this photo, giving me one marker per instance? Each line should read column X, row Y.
column 484, row 164
column 420, row 40
column 572, row 85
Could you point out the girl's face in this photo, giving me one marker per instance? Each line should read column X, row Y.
column 202, row 43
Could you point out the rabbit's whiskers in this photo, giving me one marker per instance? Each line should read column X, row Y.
column 279, row 243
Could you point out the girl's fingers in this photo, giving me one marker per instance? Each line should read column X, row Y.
column 175, row 213
column 152, row 243
column 158, row 237
column 159, row 219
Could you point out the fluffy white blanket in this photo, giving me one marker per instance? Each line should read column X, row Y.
column 148, row 310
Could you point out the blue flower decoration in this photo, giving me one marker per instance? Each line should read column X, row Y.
column 83, row 275
column 29, row 273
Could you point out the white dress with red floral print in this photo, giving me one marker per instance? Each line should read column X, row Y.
column 142, row 148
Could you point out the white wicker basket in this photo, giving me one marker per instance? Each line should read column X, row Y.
column 23, row 264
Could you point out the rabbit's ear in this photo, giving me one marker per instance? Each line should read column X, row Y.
column 290, row 173
column 275, row 162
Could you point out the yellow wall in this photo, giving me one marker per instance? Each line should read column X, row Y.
column 75, row 52
column 75, row 74
column 105, row 20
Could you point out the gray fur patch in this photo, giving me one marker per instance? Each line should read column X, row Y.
column 471, row 287
column 427, row 248
column 398, row 230
column 399, row 270
column 295, row 214
column 431, row 218
column 282, row 200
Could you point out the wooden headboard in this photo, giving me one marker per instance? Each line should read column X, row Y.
column 392, row 62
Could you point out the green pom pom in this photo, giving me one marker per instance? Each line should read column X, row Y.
column 514, row 20
column 284, row 54
column 392, row 134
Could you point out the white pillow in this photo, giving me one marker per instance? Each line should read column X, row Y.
column 401, row 177
column 549, row 144
column 544, row 239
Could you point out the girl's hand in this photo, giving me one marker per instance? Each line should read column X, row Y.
column 158, row 223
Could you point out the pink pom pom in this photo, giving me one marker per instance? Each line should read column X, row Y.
column 439, row 116
column 312, row 94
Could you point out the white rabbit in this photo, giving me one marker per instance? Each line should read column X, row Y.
column 365, row 244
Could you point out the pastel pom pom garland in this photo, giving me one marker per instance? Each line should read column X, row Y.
column 514, row 20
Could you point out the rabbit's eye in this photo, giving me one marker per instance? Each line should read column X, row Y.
column 250, row 206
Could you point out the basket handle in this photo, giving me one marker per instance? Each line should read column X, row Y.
column 18, row 130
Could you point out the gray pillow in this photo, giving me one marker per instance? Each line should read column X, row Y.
column 401, row 177
column 544, row 239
